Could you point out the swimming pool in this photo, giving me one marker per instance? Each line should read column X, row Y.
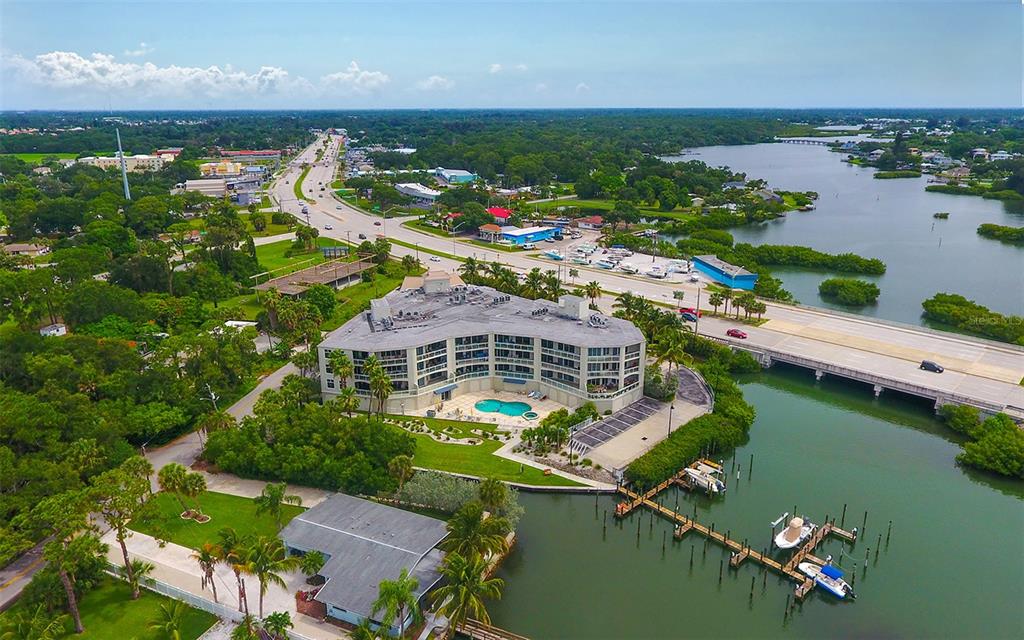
column 492, row 405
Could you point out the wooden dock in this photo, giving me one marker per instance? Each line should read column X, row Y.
column 740, row 551
column 482, row 631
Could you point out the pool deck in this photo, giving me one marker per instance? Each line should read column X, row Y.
column 463, row 408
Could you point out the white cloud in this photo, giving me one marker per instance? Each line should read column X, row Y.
column 540, row 87
column 583, row 87
column 494, row 68
column 141, row 51
column 521, row 67
column 435, row 83
column 356, row 80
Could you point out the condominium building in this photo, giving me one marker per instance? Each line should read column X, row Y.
column 136, row 163
column 438, row 338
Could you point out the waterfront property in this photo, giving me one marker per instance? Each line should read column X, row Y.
column 437, row 338
column 519, row 236
column 724, row 273
column 364, row 543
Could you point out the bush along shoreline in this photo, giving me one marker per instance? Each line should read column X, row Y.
column 967, row 316
column 849, row 291
column 996, row 444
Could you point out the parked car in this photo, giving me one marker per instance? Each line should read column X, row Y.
column 689, row 317
column 362, row 236
column 328, row 227
column 549, row 239
column 934, row 367
column 376, row 223
column 339, row 207
column 691, row 311
column 435, row 259
column 736, row 333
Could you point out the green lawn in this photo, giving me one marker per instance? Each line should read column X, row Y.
column 588, row 207
column 274, row 256
column 270, row 230
column 297, row 187
column 224, row 510
column 494, row 245
column 479, row 460
column 434, row 252
column 36, row 158
column 354, row 299
column 423, row 227
column 109, row 613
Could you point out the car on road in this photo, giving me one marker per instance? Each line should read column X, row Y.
column 736, row 333
column 934, row 367
column 549, row 239
column 435, row 259
column 376, row 223
column 339, row 207
column 689, row 317
column 328, row 227
column 362, row 236
column 691, row 311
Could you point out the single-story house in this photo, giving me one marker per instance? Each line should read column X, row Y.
column 722, row 272
column 501, row 215
column 26, row 249
column 515, row 235
column 54, row 330
column 876, row 154
column 364, row 543
column 768, row 195
column 590, row 222
column 996, row 156
column 41, row 171
column 489, row 232
column 734, row 184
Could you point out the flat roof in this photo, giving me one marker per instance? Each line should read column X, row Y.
column 418, row 188
column 723, row 266
column 367, row 542
column 526, row 231
column 418, row 318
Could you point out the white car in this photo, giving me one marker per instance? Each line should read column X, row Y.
column 328, row 227
column 435, row 259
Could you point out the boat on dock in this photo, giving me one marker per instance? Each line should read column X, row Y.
column 605, row 264
column 794, row 534
column 580, row 260
column 828, row 578
column 626, row 267
column 657, row 271
column 704, row 476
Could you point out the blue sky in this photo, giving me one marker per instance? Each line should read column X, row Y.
column 226, row 54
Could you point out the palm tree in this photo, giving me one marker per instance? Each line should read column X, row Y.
column 470, row 269
column 33, row 624
column 365, row 631
column 194, row 485
column 312, row 562
column 534, row 284
column 395, row 597
column 715, row 300
column 726, row 296
column 306, row 361
column 410, row 263
column 277, row 624
column 493, row 494
column 139, row 575
column 552, row 285
column 465, row 589
column 347, row 400
column 208, row 557
column 247, row 629
column 169, row 619
column 401, row 470
column 592, row 290
column 380, row 387
column 231, row 552
column 574, row 273
column 266, row 559
column 472, row 533
column 171, row 479
column 671, row 348
column 759, row 308
column 340, row 367
column 273, row 498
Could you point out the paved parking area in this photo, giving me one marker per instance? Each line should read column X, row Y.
column 597, row 433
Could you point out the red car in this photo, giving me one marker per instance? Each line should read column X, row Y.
column 691, row 311
column 736, row 333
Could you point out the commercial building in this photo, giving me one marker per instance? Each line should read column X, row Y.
column 515, row 235
column 136, row 163
column 421, row 196
column 438, row 338
column 364, row 543
column 724, row 273
column 213, row 187
column 590, row 222
column 223, row 168
column 489, row 232
column 455, row 176
column 501, row 215
column 252, row 156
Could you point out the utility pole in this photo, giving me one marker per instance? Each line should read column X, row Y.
column 124, row 166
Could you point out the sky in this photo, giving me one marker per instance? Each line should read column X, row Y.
column 223, row 54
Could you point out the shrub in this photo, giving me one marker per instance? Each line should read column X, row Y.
column 849, row 291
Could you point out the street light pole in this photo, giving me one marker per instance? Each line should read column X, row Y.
column 671, row 407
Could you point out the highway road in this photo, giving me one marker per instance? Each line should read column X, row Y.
column 985, row 372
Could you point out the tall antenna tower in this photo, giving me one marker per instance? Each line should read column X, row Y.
column 124, row 166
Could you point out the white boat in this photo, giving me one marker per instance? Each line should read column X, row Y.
column 705, row 479
column 828, row 578
column 580, row 260
column 657, row 271
column 628, row 268
column 605, row 264
column 794, row 534
column 554, row 254
column 678, row 266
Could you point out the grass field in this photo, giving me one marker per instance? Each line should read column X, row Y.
column 297, row 187
column 36, row 158
column 479, row 460
column 495, row 246
column 273, row 256
column 224, row 510
column 354, row 299
column 270, row 230
column 433, row 252
column 596, row 206
column 109, row 613
column 421, row 226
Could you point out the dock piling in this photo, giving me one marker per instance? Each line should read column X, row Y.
column 842, row 521
column 864, row 525
column 887, row 533
column 721, row 567
column 691, row 555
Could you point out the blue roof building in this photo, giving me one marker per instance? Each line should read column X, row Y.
column 529, row 234
column 455, row 176
column 724, row 273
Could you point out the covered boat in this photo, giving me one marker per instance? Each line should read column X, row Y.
column 796, row 532
column 828, row 578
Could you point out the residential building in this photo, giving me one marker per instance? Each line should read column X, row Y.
column 363, row 543
column 455, row 176
column 222, row 168
column 876, row 154
column 137, row 163
column 170, row 154
column 590, row 222
column 999, row 155
column 724, row 273
column 54, row 330
column 515, row 235
column 421, row 196
column 42, row 171
column 768, row 195
column 734, row 184
column 438, row 338
column 979, row 154
column 26, row 249
column 501, row 215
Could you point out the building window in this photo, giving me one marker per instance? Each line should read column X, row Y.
column 330, row 383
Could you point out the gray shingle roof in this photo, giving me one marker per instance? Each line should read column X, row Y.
column 367, row 542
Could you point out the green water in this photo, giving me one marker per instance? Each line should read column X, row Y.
column 953, row 567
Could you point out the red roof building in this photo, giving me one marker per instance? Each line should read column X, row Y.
column 590, row 222
column 500, row 214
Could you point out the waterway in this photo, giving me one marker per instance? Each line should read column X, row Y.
column 953, row 567
column 887, row 219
